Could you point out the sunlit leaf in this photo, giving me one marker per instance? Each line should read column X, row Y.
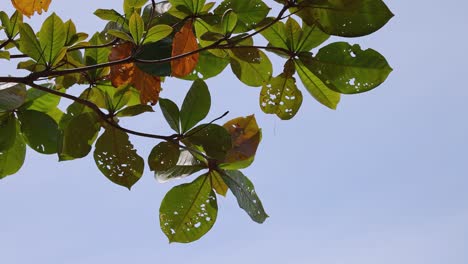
column 281, row 97
column 252, row 73
column 186, row 165
column 188, row 211
column 28, row 7
column 218, row 184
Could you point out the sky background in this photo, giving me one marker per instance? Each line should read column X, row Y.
column 381, row 180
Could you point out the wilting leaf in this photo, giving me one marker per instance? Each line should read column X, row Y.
column 218, row 183
column 188, row 211
column 245, row 137
column 184, row 42
column 244, row 191
column 127, row 73
column 281, row 97
column 28, row 7
column 117, row 159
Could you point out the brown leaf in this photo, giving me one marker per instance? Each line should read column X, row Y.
column 148, row 85
column 184, row 42
column 245, row 136
column 28, row 7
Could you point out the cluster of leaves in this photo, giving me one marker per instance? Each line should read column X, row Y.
column 122, row 69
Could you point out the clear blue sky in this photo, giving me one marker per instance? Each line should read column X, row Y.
column 381, row 180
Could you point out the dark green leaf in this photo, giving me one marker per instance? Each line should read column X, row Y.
column 347, row 18
column 40, row 131
column 12, row 96
column 349, row 69
column 117, row 159
column 245, row 193
column 249, row 13
column 78, row 136
column 188, row 211
column 12, row 160
column 8, row 132
column 135, row 110
column 156, row 51
column 196, row 105
column 164, row 156
column 171, row 113
column 214, row 139
column 96, row 56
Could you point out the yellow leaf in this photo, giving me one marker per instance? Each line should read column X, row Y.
column 148, row 85
column 245, row 136
column 184, row 42
column 218, row 183
column 28, row 7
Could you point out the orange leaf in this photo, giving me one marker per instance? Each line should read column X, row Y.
column 245, row 136
column 28, row 7
column 184, row 42
column 148, row 85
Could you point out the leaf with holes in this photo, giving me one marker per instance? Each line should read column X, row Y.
column 249, row 13
column 184, row 42
column 40, row 131
column 346, row 18
column 189, row 211
column 163, row 156
column 348, row 69
column 29, row 7
column 117, row 159
column 244, row 191
column 252, row 73
column 281, row 97
column 316, row 87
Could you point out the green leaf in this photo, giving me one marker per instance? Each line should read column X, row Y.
column 121, row 35
column 186, row 165
column 346, row 18
column 229, row 22
column 4, row 55
column 7, row 132
column 156, row 51
column 29, row 44
column 171, row 113
column 78, row 136
column 244, row 191
column 185, row 8
column 110, row 15
column 12, row 160
column 214, row 139
column 117, row 159
column 41, row 101
column 96, row 56
column 40, row 131
column 208, row 66
column 196, row 105
column 188, row 211
column 12, row 96
column 281, row 97
column 349, row 69
column 249, row 13
column 163, row 156
column 52, row 38
column 218, row 184
column 11, row 24
column 252, row 73
column 135, row 110
column 316, row 87
column 157, row 33
column 137, row 27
